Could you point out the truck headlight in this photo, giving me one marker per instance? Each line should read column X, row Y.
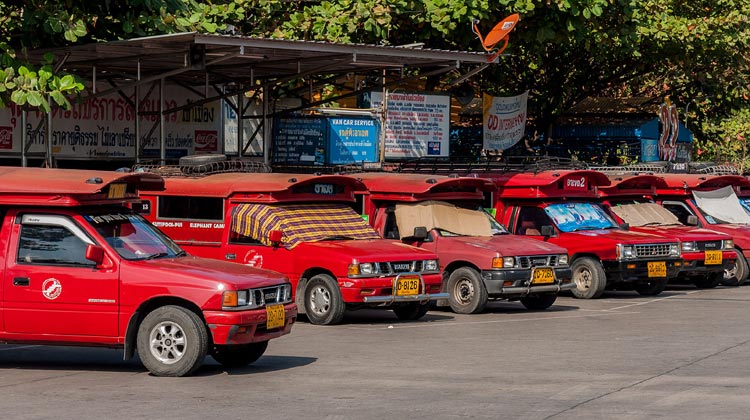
column 367, row 268
column 562, row 259
column 729, row 244
column 689, row 247
column 674, row 250
column 503, row 262
column 234, row 298
column 431, row 265
column 625, row 252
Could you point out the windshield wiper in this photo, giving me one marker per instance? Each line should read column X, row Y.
column 155, row 255
column 590, row 228
column 337, row 238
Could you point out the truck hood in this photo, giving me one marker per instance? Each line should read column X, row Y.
column 199, row 272
column 367, row 250
column 683, row 233
column 506, row 244
column 616, row 236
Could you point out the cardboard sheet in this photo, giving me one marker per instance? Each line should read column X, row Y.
column 642, row 214
column 722, row 204
column 441, row 215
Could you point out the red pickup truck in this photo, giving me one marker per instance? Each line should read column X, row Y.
column 303, row 226
column 677, row 197
column 707, row 254
column 80, row 268
column 479, row 258
column 560, row 207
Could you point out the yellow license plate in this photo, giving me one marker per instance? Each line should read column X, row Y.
column 542, row 276
column 117, row 190
column 657, row 269
column 274, row 316
column 713, row 257
column 407, row 286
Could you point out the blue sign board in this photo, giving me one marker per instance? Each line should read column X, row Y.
column 352, row 140
column 649, row 150
column 299, row 141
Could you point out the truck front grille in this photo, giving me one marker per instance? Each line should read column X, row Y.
column 395, row 267
column 537, row 261
column 270, row 295
column 652, row 250
column 710, row 245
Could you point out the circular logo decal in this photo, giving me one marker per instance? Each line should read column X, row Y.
column 51, row 288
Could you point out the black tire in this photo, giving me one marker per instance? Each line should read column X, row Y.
column 709, row 281
column 201, row 159
column 589, row 278
column 239, row 355
column 172, row 341
column 411, row 311
column 467, row 294
column 738, row 274
column 651, row 287
column 539, row 302
column 323, row 302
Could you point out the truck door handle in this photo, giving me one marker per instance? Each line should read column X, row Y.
column 21, row 281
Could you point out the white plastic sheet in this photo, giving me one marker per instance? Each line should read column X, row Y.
column 722, row 204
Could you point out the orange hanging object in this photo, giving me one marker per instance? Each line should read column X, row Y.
column 497, row 34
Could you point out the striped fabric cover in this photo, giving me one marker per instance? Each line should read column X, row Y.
column 300, row 222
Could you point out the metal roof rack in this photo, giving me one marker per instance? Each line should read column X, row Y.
column 198, row 170
column 670, row 167
column 504, row 164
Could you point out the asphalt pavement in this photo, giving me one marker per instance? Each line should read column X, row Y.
column 680, row 355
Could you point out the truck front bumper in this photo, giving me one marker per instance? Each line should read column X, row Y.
column 243, row 327
column 692, row 267
column 637, row 270
column 514, row 283
column 382, row 290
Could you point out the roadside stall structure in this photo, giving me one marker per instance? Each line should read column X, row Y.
column 479, row 258
column 303, row 226
column 706, row 254
column 712, row 200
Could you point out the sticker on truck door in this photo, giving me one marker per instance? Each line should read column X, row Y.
column 51, row 288
column 253, row 259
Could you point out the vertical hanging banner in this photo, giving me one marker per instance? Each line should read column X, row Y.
column 504, row 120
column 670, row 130
column 417, row 124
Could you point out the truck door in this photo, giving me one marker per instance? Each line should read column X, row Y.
column 50, row 287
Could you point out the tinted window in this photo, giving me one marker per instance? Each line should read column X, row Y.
column 54, row 245
column 196, row 208
column 679, row 210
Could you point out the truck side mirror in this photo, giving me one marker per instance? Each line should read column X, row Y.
column 625, row 226
column 548, row 231
column 275, row 236
column 420, row 233
column 692, row 220
column 95, row 253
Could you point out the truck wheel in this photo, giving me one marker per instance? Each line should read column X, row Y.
column 239, row 355
column 708, row 282
column 467, row 294
column 651, row 287
column 172, row 341
column 539, row 302
column 589, row 277
column 323, row 302
column 411, row 311
column 737, row 275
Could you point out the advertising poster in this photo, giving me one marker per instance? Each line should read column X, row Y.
column 417, row 124
column 104, row 128
column 504, row 120
column 352, row 140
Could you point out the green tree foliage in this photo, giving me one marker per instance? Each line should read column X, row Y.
column 33, row 24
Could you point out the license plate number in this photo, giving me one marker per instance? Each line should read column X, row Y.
column 657, row 269
column 274, row 316
column 713, row 258
column 542, row 276
column 407, row 286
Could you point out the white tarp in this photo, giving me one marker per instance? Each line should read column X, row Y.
column 441, row 215
column 643, row 214
column 722, row 204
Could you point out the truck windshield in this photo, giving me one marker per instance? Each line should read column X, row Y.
column 745, row 204
column 497, row 227
column 132, row 237
column 571, row 217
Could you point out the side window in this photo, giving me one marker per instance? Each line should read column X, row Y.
column 52, row 240
column 236, row 238
column 391, row 228
column 194, row 208
column 679, row 210
column 530, row 221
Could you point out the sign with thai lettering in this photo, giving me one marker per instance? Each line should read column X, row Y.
column 352, row 140
column 504, row 120
column 417, row 124
column 299, row 141
column 105, row 128
column 575, row 183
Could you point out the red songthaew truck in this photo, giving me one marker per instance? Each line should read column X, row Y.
column 303, row 226
column 706, row 254
column 479, row 258
column 560, row 207
column 80, row 268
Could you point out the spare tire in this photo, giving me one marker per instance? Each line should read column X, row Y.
column 201, row 159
